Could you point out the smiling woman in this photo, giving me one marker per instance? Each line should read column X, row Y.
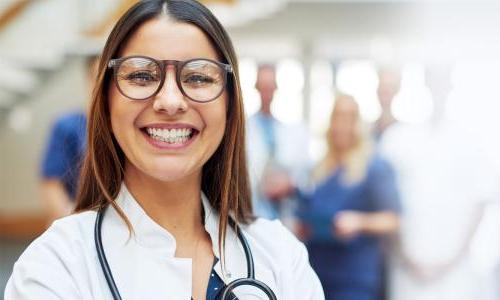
column 164, row 206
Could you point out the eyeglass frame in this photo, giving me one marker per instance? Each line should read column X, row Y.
column 163, row 64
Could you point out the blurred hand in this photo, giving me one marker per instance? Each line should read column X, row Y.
column 277, row 186
column 348, row 224
column 302, row 231
column 430, row 273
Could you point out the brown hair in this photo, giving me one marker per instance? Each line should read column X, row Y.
column 224, row 175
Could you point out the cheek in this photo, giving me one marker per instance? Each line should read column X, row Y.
column 118, row 113
column 122, row 115
column 113, row 108
column 217, row 119
column 215, row 122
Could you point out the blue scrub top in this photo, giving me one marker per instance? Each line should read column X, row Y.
column 64, row 152
column 355, row 262
column 215, row 285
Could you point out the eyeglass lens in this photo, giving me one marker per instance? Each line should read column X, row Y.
column 140, row 78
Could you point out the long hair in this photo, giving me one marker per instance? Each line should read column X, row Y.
column 358, row 156
column 224, row 175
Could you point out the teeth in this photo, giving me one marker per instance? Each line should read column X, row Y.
column 172, row 136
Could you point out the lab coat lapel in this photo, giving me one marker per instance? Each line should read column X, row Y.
column 235, row 262
column 143, row 264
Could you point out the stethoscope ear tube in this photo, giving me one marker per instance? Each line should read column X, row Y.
column 102, row 257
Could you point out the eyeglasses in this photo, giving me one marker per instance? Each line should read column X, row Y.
column 142, row 77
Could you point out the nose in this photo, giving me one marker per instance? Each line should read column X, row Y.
column 170, row 99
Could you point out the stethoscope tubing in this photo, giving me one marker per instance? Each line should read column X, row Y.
column 102, row 256
column 225, row 292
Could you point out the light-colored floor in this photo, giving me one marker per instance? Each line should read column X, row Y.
column 10, row 250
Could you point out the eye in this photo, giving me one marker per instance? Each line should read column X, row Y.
column 198, row 79
column 141, row 77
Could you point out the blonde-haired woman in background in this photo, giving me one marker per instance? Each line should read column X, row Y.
column 353, row 205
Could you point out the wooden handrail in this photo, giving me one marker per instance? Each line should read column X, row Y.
column 19, row 6
column 102, row 28
column 218, row 1
column 12, row 12
column 22, row 226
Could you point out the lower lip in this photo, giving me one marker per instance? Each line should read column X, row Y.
column 167, row 146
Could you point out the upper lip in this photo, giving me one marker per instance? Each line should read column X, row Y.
column 170, row 126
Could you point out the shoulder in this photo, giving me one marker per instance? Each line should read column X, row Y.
column 400, row 139
column 270, row 231
column 62, row 250
column 62, row 236
column 296, row 278
column 252, row 119
column 274, row 240
column 379, row 170
column 379, row 164
column 61, row 241
column 253, row 122
column 78, row 225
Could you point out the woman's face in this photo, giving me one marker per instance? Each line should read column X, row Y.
column 343, row 126
column 167, row 137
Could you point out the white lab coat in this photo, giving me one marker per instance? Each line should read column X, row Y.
column 62, row 263
column 291, row 155
column 442, row 180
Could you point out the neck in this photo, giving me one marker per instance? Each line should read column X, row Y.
column 436, row 119
column 266, row 110
column 386, row 116
column 175, row 206
column 340, row 155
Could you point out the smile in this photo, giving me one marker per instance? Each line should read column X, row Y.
column 171, row 136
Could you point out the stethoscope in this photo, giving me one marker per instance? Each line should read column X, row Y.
column 224, row 294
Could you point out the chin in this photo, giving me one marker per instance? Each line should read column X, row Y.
column 172, row 173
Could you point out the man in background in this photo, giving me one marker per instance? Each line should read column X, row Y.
column 277, row 154
column 445, row 185
column 388, row 87
column 61, row 162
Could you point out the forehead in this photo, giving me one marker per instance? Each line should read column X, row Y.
column 266, row 74
column 164, row 38
column 344, row 106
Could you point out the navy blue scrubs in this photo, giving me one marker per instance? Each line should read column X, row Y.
column 215, row 285
column 64, row 152
column 348, row 269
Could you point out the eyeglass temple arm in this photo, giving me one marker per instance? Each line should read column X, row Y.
column 228, row 68
column 111, row 63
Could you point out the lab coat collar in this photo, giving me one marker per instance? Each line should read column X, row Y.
column 150, row 235
column 235, row 264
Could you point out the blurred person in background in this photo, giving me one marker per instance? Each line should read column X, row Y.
column 60, row 168
column 354, row 205
column 389, row 84
column 444, row 188
column 277, row 154
column 388, row 87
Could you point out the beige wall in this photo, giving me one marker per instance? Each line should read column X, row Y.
column 20, row 151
